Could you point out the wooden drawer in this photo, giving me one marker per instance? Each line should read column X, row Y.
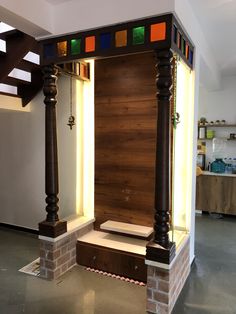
column 112, row 261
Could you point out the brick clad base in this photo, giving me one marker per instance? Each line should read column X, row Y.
column 58, row 256
column 164, row 286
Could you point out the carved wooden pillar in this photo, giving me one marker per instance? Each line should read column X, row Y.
column 160, row 248
column 52, row 226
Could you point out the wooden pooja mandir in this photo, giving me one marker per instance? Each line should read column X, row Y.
column 161, row 37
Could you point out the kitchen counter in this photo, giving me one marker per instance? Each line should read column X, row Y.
column 215, row 192
column 208, row 173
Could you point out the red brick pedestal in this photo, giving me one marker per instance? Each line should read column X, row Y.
column 58, row 255
column 165, row 282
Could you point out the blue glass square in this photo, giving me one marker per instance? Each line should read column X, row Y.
column 105, row 41
column 48, row 50
column 191, row 57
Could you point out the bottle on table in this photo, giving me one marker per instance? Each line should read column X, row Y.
column 234, row 166
column 228, row 166
column 218, row 166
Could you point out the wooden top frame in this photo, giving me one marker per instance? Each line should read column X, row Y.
column 154, row 33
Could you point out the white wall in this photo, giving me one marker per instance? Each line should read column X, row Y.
column 218, row 105
column 22, row 167
column 22, row 182
column 66, row 149
column 209, row 70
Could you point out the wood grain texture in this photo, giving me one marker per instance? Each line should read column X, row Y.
column 125, row 139
column 112, row 261
column 216, row 194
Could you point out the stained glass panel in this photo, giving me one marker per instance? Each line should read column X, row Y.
column 62, row 48
column 105, row 41
column 158, row 32
column 138, row 35
column 183, row 46
column 191, row 56
column 48, row 51
column 175, row 34
column 90, row 44
column 75, row 46
column 121, row 38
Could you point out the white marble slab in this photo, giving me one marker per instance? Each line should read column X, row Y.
column 115, row 241
column 121, row 227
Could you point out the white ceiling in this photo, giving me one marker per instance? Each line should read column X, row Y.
column 55, row 2
column 218, row 21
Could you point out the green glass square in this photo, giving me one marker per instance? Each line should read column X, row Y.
column 138, row 35
column 75, row 46
column 183, row 46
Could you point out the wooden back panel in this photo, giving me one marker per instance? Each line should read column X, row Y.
column 125, row 139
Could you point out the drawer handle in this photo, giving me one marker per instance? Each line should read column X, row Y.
column 135, row 267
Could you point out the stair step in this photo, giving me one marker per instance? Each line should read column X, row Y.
column 127, row 229
column 116, row 242
column 9, row 94
column 8, row 89
column 113, row 253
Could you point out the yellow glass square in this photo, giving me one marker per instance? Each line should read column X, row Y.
column 121, row 38
column 62, row 48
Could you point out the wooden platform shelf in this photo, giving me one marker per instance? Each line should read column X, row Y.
column 113, row 253
column 127, row 229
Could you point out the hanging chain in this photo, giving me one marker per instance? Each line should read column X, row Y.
column 175, row 115
column 71, row 120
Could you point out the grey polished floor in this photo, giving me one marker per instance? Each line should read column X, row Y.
column 78, row 292
column 211, row 287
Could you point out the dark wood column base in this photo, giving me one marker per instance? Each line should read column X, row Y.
column 160, row 254
column 52, row 229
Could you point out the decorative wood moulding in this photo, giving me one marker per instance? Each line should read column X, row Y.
column 160, row 32
column 78, row 69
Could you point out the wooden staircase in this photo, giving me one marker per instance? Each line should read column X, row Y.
column 20, row 65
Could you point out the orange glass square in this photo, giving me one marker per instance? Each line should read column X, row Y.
column 90, row 44
column 187, row 51
column 121, row 38
column 158, row 32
